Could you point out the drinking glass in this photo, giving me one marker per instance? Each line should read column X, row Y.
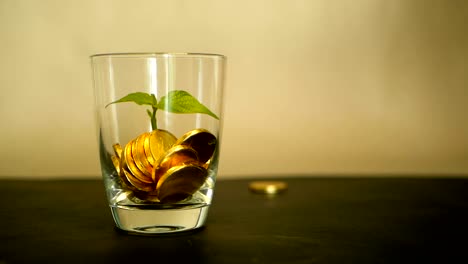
column 159, row 125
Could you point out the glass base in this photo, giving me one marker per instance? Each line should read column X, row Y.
column 148, row 220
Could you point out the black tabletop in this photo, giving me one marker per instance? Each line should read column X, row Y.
column 317, row 220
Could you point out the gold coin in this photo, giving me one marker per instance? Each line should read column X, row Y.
column 268, row 187
column 160, row 141
column 175, row 156
column 139, row 156
column 136, row 182
column 116, row 162
column 132, row 167
column 117, row 150
column 147, row 149
column 122, row 175
column 202, row 141
column 180, row 182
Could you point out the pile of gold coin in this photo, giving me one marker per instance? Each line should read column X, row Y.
column 165, row 168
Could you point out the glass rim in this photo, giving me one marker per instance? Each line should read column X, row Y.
column 155, row 54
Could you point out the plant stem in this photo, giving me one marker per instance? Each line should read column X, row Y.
column 154, row 124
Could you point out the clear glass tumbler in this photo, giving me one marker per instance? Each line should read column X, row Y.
column 159, row 122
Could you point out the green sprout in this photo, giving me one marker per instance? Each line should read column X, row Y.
column 177, row 101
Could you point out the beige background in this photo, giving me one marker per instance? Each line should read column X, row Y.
column 320, row 87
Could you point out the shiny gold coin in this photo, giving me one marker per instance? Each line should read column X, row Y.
column 116, row 162
column 175, row 156
column 132, row 167
column 137, row 183
column 122, row 175
column 117, row 150
column 125, row 183
column 159, row 142
column 180, row 182
column 202, row 141
column 147, row 150
column 206, row 165
column 139, row 155
column 268, row 187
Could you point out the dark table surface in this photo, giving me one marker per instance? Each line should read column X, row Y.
column 318, row 220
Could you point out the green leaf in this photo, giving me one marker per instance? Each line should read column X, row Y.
column 153, row 100
column 138, row 98
column 181, row 102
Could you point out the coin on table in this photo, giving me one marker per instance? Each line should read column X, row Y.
column 268, row 187
column 131, row 165
column 159, row 142
column 202, row 141
column 175, row 156
column 180, row 182
column 139, row 155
